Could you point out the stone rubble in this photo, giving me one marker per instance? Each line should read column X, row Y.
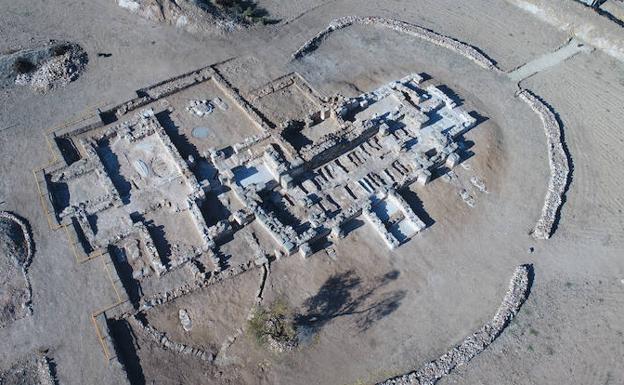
column 57, row 71
column 478, row 183
column 45, row 373
column 200, row 107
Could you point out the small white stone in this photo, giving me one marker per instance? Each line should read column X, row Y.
column 185, row 320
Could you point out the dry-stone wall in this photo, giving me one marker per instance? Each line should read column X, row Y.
column 411, row 29
column 431, row 372
column 559, row 166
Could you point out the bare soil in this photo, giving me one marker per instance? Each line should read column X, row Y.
column 369, row 313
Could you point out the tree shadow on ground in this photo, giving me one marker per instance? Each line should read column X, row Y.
column 345, row 294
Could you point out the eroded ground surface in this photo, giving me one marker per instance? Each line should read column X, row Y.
column 365, row 312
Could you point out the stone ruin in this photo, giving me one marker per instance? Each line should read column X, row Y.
column 559, row 159
column 358, row 152
column 131, row 184
column 161, row 184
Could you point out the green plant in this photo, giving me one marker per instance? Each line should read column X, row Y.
column 272, row 323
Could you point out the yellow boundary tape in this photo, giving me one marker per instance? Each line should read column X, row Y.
column 73, row 243
column 43, row 203
column 70, row 239
column 99, row 336
column 55, row 158
column 98, row 332
column 84, row 115
column 110, row 277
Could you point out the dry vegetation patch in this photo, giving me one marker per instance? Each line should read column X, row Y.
column 273, row 326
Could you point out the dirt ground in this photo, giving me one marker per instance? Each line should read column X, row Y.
column 383, row 312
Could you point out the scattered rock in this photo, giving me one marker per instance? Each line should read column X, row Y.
column 478, row 183
column 466, row 197
column 200, row 107
column 220, row 103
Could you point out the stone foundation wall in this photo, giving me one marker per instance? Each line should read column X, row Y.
column 167, row 344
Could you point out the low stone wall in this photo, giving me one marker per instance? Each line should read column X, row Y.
column 411, row 29
column 167, row 344
column 433, row 371
column 215, row 277
column 233, row 93
column 559, row 166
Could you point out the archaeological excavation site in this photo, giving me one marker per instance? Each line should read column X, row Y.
column 323, row 192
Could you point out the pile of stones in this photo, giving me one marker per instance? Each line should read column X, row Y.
column 63, row 64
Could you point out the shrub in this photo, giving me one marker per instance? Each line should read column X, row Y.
column 273, row 326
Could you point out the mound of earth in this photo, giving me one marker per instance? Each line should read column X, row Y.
column 15, row 253
column 43, row 68
column 199, row 15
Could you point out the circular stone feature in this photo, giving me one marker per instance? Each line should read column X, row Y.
column 200, row 132
column 12, row 241
column 15, row 255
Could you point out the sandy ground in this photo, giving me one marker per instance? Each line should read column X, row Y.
column 448, row 281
